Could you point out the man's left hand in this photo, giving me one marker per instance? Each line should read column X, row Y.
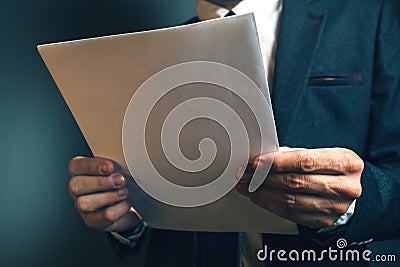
column 311, row 187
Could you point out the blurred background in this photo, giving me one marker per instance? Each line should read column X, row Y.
column 38, row 223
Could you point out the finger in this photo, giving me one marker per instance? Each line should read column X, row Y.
column 82, row 185
column 247, row 171
column 90, row 166
column 323, row 161
column 94, row 202
column 104, row 219
column 263, row 159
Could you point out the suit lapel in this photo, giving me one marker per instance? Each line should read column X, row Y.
column 300, row 26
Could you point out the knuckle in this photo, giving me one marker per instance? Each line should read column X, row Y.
column 81, row 204
column 289, row 200
column 355, row 164
column 353, row 161
column 356, row 191
column 278, row 164
column 308, row 162
column 294, row 181
column 352, row 190
column 110, row 214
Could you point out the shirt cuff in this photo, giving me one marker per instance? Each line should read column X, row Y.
column 341, row 221
column 133, row 237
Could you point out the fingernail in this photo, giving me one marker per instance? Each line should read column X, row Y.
column 118, row 180
column 123, row 192
column 104, row 168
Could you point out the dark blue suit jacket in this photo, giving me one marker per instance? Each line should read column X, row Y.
column 336, row 84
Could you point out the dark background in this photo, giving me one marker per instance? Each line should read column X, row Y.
column 38, row 223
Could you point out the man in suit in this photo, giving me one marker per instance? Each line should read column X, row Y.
column 335, row 77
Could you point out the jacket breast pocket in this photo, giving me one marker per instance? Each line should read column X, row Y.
column 335, row 79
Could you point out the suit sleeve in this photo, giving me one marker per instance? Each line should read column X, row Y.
column 377, row 214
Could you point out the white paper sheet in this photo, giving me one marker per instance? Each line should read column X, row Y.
column 110, row 85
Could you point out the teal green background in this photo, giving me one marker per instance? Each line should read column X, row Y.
column 38, row 223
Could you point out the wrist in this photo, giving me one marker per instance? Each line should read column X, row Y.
column 132, row 237
column 341, row 223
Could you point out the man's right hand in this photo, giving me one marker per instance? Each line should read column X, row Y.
column 101, row 195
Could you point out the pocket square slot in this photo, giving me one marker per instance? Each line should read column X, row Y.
column 329, row 80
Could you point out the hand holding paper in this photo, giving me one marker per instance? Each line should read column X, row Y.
column 100, row 195
column 311, row 187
